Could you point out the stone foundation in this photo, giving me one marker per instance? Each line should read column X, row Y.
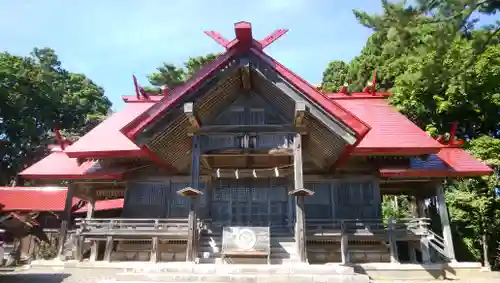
column 133, row 251
column 321, row 253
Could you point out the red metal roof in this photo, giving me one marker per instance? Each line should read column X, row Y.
column 101, row 205
column 106, row 138
column 391, row 133
column 33, row 198
column 455, row 163
column 58, row 165
column 463, row 162
column 244, row 43
column 45, row 199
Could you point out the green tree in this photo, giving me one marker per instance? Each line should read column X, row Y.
column 473, row 203
column 168, row 75
column 335, row 76
column 441, row 67
column 37, row 95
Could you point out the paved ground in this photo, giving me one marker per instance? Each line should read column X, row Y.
column 100, row 275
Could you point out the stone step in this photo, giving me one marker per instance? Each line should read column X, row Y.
column 239, row 278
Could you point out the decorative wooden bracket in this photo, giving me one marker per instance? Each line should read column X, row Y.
column 136, row 86
column 139, row 91
column 189, row 111
column 301, row 192
column 244, row 37
column 300, row 112
column 372, row 86
column 189, row 192
column 344, row 89
column 245, row 73
column 60, row 139
column 451, row 142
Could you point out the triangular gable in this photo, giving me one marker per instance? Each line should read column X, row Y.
column 245, row 44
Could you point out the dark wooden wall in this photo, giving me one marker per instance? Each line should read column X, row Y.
column 225, row 200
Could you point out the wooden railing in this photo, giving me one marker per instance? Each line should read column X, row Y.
column 368, row 227
column 110, row 230
column 128, row 226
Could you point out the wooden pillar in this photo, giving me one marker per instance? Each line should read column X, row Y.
column 445, row 222
column 393, row 248
column 344, row 243
column 195, row 184
column 109, row 248
column 155, row 253
column 94, row 250
column 300, row 236
column 412, row 248
column 65, row 221
column 413, row 206
column 91, row 204
column 424, row 242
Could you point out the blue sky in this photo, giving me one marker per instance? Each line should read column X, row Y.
column 110, row 40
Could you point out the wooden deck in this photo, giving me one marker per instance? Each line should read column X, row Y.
column 151, row 234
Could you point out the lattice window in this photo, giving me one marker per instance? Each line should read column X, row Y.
column 319, row 205
column 257, row 116
column 356, row 200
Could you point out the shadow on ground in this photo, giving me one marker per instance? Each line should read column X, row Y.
column 6, row 277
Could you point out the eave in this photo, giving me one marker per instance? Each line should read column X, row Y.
column 58, row 166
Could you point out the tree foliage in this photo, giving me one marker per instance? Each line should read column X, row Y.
column 36, row 95
column 441, row 67
column 168, row 75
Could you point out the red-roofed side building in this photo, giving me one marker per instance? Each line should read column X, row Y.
column 246, row 142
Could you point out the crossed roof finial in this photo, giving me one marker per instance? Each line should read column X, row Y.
column 244, row 37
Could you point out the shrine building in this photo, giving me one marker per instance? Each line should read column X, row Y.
column 246, row 162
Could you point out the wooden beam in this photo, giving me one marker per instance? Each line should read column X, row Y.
column 244, row 153
column 189, row 111
column 195, row 184
column 65, row 220
column 244, row 129
column 300, row 229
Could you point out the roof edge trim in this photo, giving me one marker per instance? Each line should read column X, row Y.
column 132, row 129
column 359, row 127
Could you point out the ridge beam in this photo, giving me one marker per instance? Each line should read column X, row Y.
column 189, row 111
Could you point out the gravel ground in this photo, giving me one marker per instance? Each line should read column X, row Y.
column 97, row 275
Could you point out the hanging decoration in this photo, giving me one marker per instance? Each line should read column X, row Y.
column 255, row 173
